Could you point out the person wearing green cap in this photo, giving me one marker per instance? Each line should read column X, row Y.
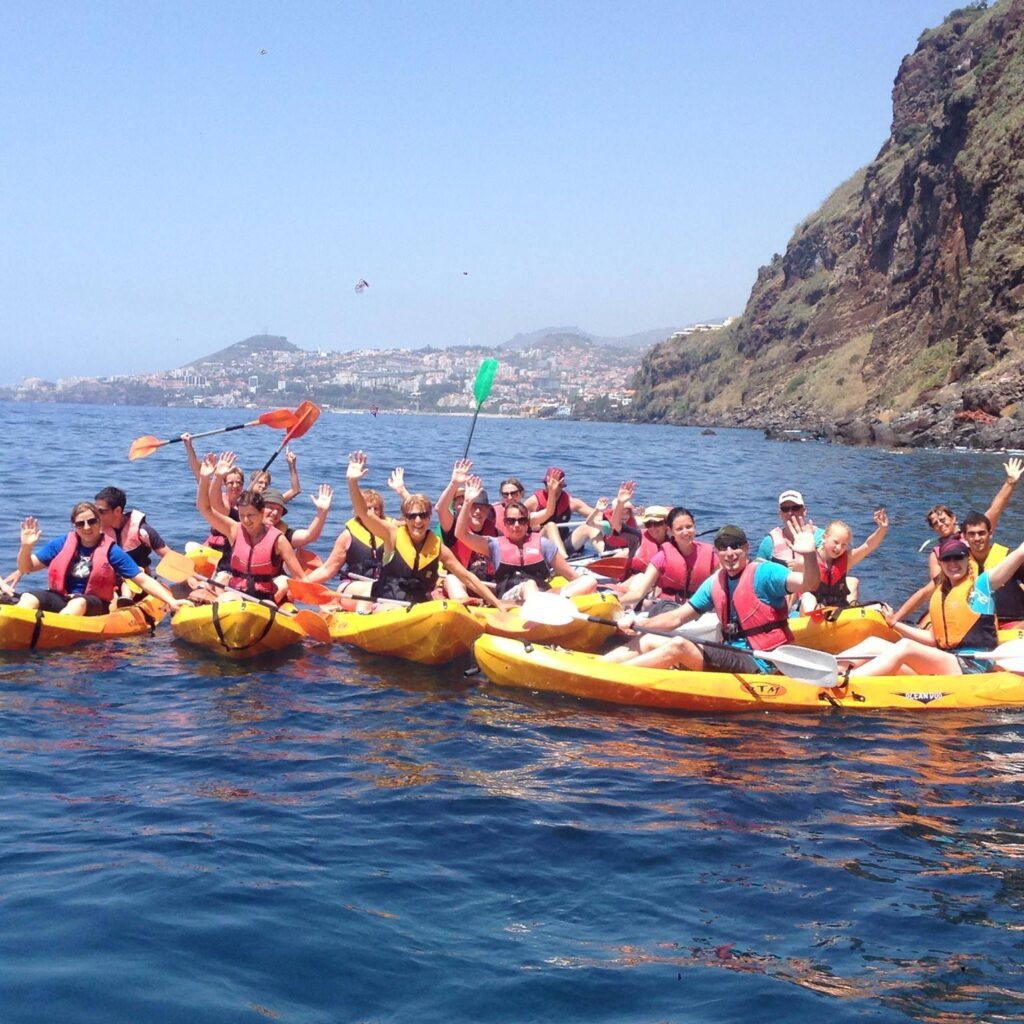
column 750, row 599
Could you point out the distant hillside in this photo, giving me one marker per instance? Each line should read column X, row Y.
column 243, row 350
column 896, row 314
column 554, row 336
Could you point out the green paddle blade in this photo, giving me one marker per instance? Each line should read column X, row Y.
column 484, row 380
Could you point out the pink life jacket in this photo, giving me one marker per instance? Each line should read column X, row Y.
column 131, row 538
column 763, row 626
column 682, row 575
column 518, row 563
column 102, row 578
column 254, row 566
column 563, row 509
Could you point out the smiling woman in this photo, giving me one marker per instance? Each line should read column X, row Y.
column 85, row 566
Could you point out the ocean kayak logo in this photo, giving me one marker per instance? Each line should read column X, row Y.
column 925, row 697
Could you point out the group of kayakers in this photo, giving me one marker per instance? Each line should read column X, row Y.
column 502, row 552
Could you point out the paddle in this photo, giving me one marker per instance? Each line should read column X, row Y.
column 481, row 389
column 1008, row 656
column 177, row 568
column 279, row 419
column 317, row 593
column 305, row 416
column 797, row 663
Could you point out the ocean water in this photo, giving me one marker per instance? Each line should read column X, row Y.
column 326, row 836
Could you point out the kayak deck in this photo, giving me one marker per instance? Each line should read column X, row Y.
column 515, row 664
column 237, row 628
column 578, row 635
column 430, row 633
column 24, row 629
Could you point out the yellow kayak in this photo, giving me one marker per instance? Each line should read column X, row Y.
column 850, row 627
column 578, row 635
column 430, row 633
column 22, row 629
column 237, row 628
column 513, row 663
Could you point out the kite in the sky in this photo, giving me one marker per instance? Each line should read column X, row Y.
column 263, row 53
column 361, row 286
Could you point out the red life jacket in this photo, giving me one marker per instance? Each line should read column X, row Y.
column 129, row 538
column 518, row 563
column 649, row 547
column 682, row 575
column 833, row 589
column 763, row 626
column 628, row 532
column 102, row 579
column 473, row 560
column 254, row 566
column 563, row 509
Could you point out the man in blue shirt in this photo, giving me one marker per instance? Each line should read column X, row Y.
column 750, row 600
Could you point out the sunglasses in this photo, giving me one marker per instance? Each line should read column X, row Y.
column 656, row 522
column 417, row 515
column 82, row 523
column 510, row 494
column 728, row 547
column 954, row 558
column 516, row 520
column 790, row 509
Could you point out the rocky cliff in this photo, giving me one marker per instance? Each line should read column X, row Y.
column 896, row 314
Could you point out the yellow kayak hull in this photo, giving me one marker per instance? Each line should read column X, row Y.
column 513, row 663
column 851, row 626
column 578, row 635
column 430, row 633
column 22, row 629
column 237, row 628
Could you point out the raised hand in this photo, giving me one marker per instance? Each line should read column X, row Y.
column 209, row 465
column 290, row 456
column 1014, row 469
column 881, row 518
column 600, row 505
column 626, row 491
column 461, row 470
column 803, row 535
column 30, row 531
column 357, row 467
column 397, row 479
column 225, row 463
column 323, row 497
column 474, row 487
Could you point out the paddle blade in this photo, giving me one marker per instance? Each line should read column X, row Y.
column 314, row 626
column 279, row 419
column 310, row 593
column 143, row 446
column 547, row 608
column 803, row 664
column 308, row 559
column 175, row 567
column 484, row 380
column 305, row 416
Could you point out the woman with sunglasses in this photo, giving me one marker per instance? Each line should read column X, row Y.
column 84, row 566
column 520, row 562
column 963, row 622
column 679, row 566
column 357, row 555
column 260, row 553
column 413, row 553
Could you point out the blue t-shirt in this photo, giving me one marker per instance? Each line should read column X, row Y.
column 769, row 586
column 81, row 564
column 767, row 546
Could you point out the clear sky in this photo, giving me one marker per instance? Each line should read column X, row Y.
column 178, row 176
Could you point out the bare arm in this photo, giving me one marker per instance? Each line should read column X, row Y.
column 190, row 451
column 335, row 560
column 579, row 506
column 30, row 536
column 912, row 603
column 322, row 500
column 462, row 531
column 397, row 482
column 625, row 492
column 293, row 476
column 859, row 553
column 1014, row 468
column 639, row 585
column 382, row 528
column 291, row 561
column 922, row 636
column 460, row 473
column 155, row 588
column 1002, row 573
column 218, row 520
column 471, row 580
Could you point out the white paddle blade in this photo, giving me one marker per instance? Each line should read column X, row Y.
column 706, row 627
column 549, row 609
column 808, row 666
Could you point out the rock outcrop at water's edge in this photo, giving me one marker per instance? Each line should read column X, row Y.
column 896, row 315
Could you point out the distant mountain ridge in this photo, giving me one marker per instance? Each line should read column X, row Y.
column 550, row 336
column 242, row 350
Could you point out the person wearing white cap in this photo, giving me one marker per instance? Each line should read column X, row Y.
column 777, row 546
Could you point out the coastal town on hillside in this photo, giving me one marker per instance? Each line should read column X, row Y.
column 549, row 376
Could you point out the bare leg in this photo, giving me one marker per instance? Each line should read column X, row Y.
column 76, row 606
column 907, row 653
column 454, row 588
column 578, row 586
column 675, row 653
column 28, row 601
column 853, row 586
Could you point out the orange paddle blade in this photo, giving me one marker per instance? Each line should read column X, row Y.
column 308, row 559
column 279, row 419
column 305, row 416
column 310, row 593
column 314, row 626
column 143, row 446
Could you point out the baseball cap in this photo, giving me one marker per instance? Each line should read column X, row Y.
column 730, row 535
column 953, row 547
column 791, row 496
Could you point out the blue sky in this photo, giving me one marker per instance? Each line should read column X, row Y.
column 167, row 188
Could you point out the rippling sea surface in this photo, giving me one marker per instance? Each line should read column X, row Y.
column 327, row 836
